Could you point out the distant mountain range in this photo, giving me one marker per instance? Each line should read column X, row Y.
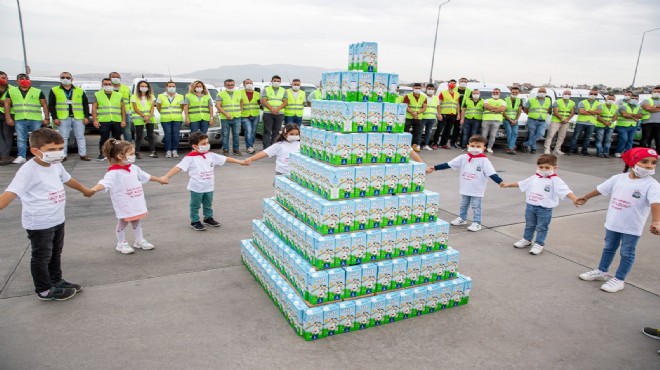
column 259, row 72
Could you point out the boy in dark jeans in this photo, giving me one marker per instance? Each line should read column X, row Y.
column 39, row 185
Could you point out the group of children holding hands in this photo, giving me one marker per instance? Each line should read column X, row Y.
column 39, row 185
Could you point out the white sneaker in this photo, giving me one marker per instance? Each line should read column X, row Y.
column 143, row 244
column 613, row 285
column 489, row 150
column 168, row 154
column 536, row 249
column 426, row 147
column 250, row 150
column 124, row 248
column 593, row 275
column 474, row 227
column 618, row 155
column 19, row 160
column 522, row 243
column 557, row 151
column 175, row 154
column 458, row 222
column 547, row 151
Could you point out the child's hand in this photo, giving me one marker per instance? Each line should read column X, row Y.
column 246, row 162
column 164, row 180
column 580, row 201
column 655, row 228
column 88, row 193
column 504, row 185
column 430, row 169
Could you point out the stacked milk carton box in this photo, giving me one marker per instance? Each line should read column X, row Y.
column 348, row 117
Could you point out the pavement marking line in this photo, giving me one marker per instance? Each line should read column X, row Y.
column 13, row 271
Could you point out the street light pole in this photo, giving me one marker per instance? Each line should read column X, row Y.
column 639, row 54
column 435, row 40
column 20, row 20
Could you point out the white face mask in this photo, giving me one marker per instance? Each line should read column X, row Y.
column 642, row 172
column 230, row 89
column 475, row 96
column 540, row 95
column 430, row 92
column 626, row 97
column 566, row 96
column 130, row 159
column 295, row 88
column 610, row 101
column 199, row 89
column 462, row 84
column 417, row 91
column 171, row 90
column 107, row 88
column 592, row 96
column 144, row 89
column 293, row 137
column 116, row 80
column 655, row 95
column 475, row 151
column 545, row 173
column 204, row 148
column 65, row 81
column 275, row 85
column 496, row 96
column 249, row 87
column 52, row 157
column 633, row 101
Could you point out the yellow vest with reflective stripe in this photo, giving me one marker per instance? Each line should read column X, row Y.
column 512, row 109
column 2, row 97
column 432, row 104
column 198, row 109
column 563, row 109
column 588, row 106
column 627, row 122
column 399, row 99
column 492, row 116
column 274, row 99
column 536, row 110
column 646, row 114
column 317, row 95
column 250, row 107
column 607, row 114
column 449, row 104
column 473, row 110
column 28, row 108
column 170, row 112
column 414, row 104
column 125, row 93
column 231, row 103
column 61, row 106
column 108, row 110
column 294, row 107
column 146, row 108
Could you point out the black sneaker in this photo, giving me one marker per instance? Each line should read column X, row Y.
column 212, row 222
column 197, row 226
column 58, row 294
column 100, row 158
column 225, row 152
column 652, row 332
column 153, row 155
column 66, row 285
column 533, row 151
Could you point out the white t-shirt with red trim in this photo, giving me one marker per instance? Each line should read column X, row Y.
column 543, row 191
column 126, row 192
column 474, row 174
column 200, row 170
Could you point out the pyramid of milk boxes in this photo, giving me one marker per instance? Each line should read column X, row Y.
column 351, row 240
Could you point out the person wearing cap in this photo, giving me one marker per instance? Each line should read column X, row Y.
column 125, row 92
column 416, row 102
column 633, row 195
column 626, row 126
column 651, row 119
column 69, row 108
column 588, row 110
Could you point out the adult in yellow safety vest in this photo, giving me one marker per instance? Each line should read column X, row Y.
column 170, row 107
column 449, row 122
column 274, row 100
column 69, row 108
column 125, row 91
column 494, row 109
column 471, row 116
column 626, row 125
column 464, row 91
column 250, row 113
column 417, row 105
column 511, row 116
column 228, row 103
column 6, row 131
column 563, row 110
column 537, row 108
column 430, row 115
column 26, row 103
column 108, row 113
column 143, row 104
column 588, row 110
column 293, row 113
column 198, row 107
column 605, row 122
column 651, row 119
column 317, row 94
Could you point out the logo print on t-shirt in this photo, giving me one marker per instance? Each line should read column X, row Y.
column 637, row 194
column 547, row 188
column 479, row 168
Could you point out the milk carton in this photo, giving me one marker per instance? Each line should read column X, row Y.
column 351, row 53
column 329, row 115
column 358, row 248
column 418, row 176
column 336, row 85
column 432, row 206
column 346, row 316
column 319, row 137
column 433, row 296
column 404, row 180
column 340, row 149
column 313, row 323
column 374, row 116
column 430, row 235
column 325, row 246
column 452, row 263
column 362, row 207
column 458, row 286
column 392, row 302
column 343, row 183
column 381, row 81
column 343, row 249
column 325, row 85
column 336, row 284
column 376, row 210
column 346, row 216
column 418, row 208
column 359, row 117
column 384, row 278
column 413, row 271
column 330, row 320
column 369, row 276
column 388, row 153
column 446, row 288
column 467, row 288
column 428, row 269
column 365, row 86
column 329, row 217
column 353, row 281
column 378, row 304
column 419, row 301
column 442, row 235
column 403, row 148
column 374, row 239
column 406, row 303
column 377, row 181
column 391, row 207
column 362, row 181
column 316, row 286
column 416, row 239
column 369, row 57
column 440, row 265
column 388, row 243
column 393, row 82
column 399, row 125
column 402, row 241
column 374, row 147
column 347, row 118
column 349, row 86
column 399, row 273
column 359, row 154
column 362, row 313
column 405, row 210
column 389, row 117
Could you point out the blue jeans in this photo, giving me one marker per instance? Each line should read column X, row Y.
column 427, row 126
column 603, row 140
column 127, row 130
column 202, row 126
column 65, row 127
column 535, row 131
column 250, row 127
column 588, row 130
column 470, row 127
column 466, row 200
column 235, row 126
column 511, row 134
column 537, row 219
column 23, row 127
column 293, row 119
column 628, row 244
column 626, row 137
column 172, row 131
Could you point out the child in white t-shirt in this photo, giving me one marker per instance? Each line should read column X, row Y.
column 200, row 164
column 124, row 182
column 39, row 186
column 543, row 192
column 632, row 196
column 475, row 170
column 286, row 143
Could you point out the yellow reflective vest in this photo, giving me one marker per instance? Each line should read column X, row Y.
column 275, row 99
column 170, row 112
column 294, row 107
column 449, row 103
column 628, row 122
column 28, row 108
column 198, row 108
column 415, row 104
column 144, row 109
column 537, row 110
column 62, row 106
column 108, row 110
column 432, row 104
column 250, row 107
column 473, row 110
column 607, row 114
column 492, row 116
column 231, row 103
column 588, row 106
column 564, row 109
column 512, row 108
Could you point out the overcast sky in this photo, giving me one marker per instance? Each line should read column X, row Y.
column 586, row 41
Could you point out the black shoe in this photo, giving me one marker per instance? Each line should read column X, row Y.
column 58, row 294
column 197, row 226
column 66, row 285
column 524, row 148
column 607, row 156
column 533, row 151
column 212, row 222
column 600, row 156
column 586, row 154
column 652, row 332
column 137, row 156
column 153, row 155
column 100, row 158
column 225, row 152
